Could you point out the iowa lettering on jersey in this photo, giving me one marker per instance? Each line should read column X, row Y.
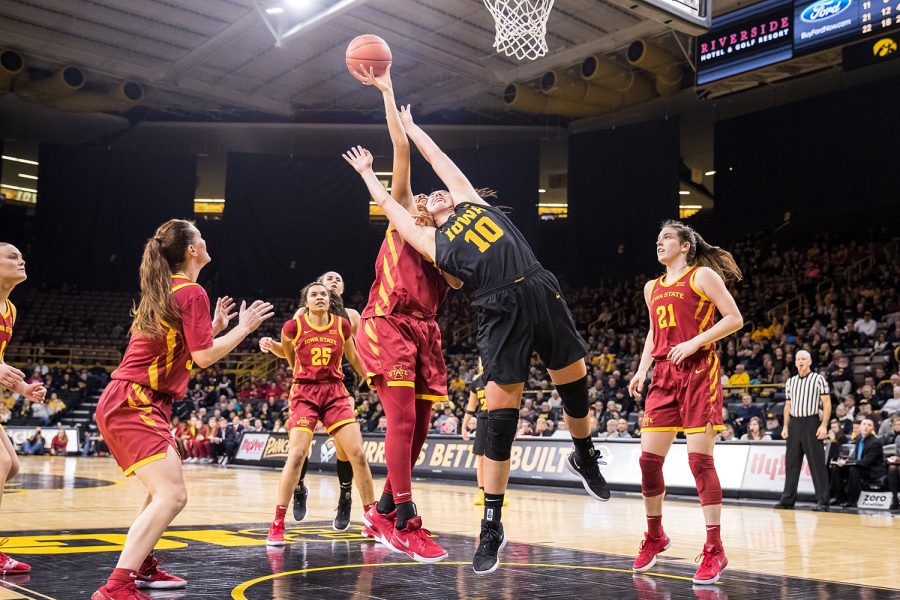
column 475, row 226
column 319, row 340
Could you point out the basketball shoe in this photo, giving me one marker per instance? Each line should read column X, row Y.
column 276, row 534
column 128, row 592
column 300, row 496
column 479, row 498
column 589, row 473
column 11, row 566
column 712, row 562
column 415, row 542
column 491, row 541
column 150, row 576
column 381, row 526
column 342, row 518
column 650, row 547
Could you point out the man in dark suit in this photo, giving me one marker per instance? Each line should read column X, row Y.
column 866, row 463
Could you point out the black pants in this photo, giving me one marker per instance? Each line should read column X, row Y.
column 894, row 479
column 802, row 441
column 851, row 475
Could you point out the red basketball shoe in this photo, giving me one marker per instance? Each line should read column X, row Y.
column 415, row 542
column 276, row 534
column 129, row 592
column 650, row 547
column 11, row 566
column 712, row 563
column 150, row 576
column 380, row 526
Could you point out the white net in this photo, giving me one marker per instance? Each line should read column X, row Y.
column 521, row 26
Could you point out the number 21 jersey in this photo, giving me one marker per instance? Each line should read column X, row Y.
column 679, row 312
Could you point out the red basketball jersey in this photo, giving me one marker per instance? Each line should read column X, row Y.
column 405, row 281
column 679, row 312
column 7, row 320
column 317, row 351
column 164, row 363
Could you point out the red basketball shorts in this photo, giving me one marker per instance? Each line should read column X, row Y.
column 328, row 402
column 402, row 351
column 686, row 397
column 134, row 423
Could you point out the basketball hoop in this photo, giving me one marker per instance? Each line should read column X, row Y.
column 521, row 27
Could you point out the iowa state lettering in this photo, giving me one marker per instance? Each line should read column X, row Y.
column 679, row 295
column 462, row 221
column 324, row 340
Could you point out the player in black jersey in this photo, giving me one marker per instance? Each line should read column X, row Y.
column 520, row 310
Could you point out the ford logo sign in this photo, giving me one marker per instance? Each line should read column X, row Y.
column 824, row 10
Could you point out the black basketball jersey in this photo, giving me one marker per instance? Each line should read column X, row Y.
column 481, row 246
column 477, row 388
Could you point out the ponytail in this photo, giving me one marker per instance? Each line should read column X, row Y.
column 163, row 254
column 703, row 254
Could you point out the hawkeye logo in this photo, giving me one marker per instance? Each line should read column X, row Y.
column 824, row 10
column 398, row 372
column 884, row 47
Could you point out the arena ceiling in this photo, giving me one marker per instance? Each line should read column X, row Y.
column 220, row 56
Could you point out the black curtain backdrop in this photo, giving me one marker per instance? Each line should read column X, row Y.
column 96, row 209
column 511, row 170
column 288, row 220
column 829, row 154
column 622, row 183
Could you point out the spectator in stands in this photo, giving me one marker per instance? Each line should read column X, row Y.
column 542, row 429
column 893, row 434
column 893, row 466
column 231, row 438
column 5, row 413
column 865, row 327
column 595, row 426
column 773, row 427
column 865, row 464
column 381, row 425
column 840, row 375
column 612, row 430
column 59, row 443
column 91, row 438
column 740, row 377
column 525, row 429
column 727, row 434
column 622, row 428
column 755, row 432
column 835, row 438
column 35, row 443
column 55, row 406
column 40, row 412
column 745, row 412
column 892, row 405
column 449, row 425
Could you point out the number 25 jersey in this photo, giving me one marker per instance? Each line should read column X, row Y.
column 679, row 312
column 481, row 246
column 317, row 351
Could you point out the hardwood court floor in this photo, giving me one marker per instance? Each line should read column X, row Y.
column 68, row 511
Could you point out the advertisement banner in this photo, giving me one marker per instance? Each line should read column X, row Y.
column 20, row 434
column 533, row 460
column 765, row 470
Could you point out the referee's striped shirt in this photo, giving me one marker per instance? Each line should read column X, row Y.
column 804, row 394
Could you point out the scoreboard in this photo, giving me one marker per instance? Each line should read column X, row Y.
column 773, row 31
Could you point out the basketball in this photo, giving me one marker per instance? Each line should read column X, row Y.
column 367, row 51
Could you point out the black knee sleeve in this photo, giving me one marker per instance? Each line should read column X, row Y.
column 501, row 432
column 575, row 398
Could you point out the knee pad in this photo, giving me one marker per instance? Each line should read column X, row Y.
column 704, row 469
column 575, row 398
column 652, row 483
column 501, row 432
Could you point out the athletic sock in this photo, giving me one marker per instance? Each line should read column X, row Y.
column 386, row 503
column 493, row 507
column 654, row 526
column 280, row 512
column 345, row 478
column 713, row 535
column 368, row 507
column 405, row 512
column 584, row 449
column 120, row 578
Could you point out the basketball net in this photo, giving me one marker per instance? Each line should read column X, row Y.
column 521, row 26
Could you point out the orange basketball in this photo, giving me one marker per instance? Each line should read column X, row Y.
column 367, row 51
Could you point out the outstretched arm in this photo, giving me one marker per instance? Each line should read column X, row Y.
column 401, row 190
column 457, row 183
column 421, row 238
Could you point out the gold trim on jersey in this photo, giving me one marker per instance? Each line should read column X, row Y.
column 695, row 288
column 690, row 430
column 144, row 461
column 9, row 309
column 299, row 330
column 411, row 384
column 340, row 423
column 662, row 280
column 387, row 272
column 432, row 398
column 328, row 325
column 662, row 429
column 369, row 328
column 142, row 404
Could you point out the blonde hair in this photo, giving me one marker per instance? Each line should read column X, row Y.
column 163, row 254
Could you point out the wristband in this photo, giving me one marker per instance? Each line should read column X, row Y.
column 470, row 412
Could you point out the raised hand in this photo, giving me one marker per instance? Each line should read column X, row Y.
column 359, row 158
column 251, row 317
column 36, row 392
column 10, row 377
column 382, row 82
column 224, row 313
column 266, row 344
column 406, row 116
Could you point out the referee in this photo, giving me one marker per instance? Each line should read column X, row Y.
column 804, row 431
